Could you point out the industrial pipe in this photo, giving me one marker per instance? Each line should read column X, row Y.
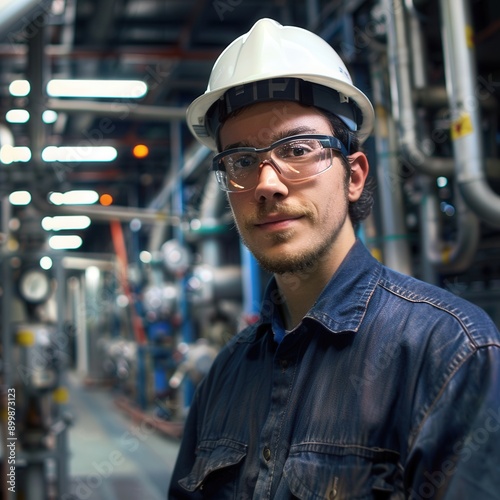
column 395, row 243
column 444, row 256
column 454, row 256
column 413, row 147
column 104, row 214
column 130, row 110
column 461, row 72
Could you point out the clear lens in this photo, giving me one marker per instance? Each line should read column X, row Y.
column 295, row 159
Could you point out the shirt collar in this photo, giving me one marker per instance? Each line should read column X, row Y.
column 342, row 304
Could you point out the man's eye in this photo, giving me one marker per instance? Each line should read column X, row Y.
column 243, row 161
column 299, row 151
column 294, row 150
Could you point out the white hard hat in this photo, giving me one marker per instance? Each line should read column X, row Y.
column 275, row 62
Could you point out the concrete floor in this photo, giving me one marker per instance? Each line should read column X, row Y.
column 113, row 457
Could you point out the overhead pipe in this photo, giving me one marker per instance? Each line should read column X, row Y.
column 129, row 111
column 155, row 214
column 413, row 146
column 461, row 73
column 14, row 16
column 104, row 214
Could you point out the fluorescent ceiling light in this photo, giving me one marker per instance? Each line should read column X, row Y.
column 69, row 242
column 122, row 89
column 19, row 88
column 9, row 154
column 62, row 222
column 75, row 197
column 46, row 262
column 17, row 116
column 79, row 153
column 20, row 198
column 49, row 116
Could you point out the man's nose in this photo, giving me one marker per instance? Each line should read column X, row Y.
column 269, row 184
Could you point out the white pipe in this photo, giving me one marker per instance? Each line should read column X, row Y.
column 75, row 286
column 461, row 73
column 414, row 148
column 396, row 251
column 130, row 110
column 455, row 255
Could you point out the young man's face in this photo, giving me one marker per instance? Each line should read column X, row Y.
column 290, row 225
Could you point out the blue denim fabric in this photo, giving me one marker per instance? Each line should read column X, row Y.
column 388, row 389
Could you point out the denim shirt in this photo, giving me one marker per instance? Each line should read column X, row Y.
column 389, row 388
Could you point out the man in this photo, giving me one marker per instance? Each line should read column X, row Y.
column 357, row 382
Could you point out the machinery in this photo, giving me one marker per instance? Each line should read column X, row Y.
column 35, row 355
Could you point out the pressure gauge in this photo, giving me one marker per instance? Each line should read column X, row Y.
column 34, row 286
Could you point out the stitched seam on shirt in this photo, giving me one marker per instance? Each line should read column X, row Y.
column 428, row 410
column 417, row 299
column 368, row 451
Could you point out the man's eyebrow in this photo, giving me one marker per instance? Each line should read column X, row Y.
column 281, row 135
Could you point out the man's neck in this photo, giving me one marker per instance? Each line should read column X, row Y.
column 300, row 290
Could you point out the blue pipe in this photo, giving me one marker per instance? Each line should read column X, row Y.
column 252, row 292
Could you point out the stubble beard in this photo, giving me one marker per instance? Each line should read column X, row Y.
column 301, row 262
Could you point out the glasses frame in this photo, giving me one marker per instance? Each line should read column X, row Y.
column 326, row 141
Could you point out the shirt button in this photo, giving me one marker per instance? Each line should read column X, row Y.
column 266, row 453
column 332, row 494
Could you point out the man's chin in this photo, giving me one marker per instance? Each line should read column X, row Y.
column 286, row 265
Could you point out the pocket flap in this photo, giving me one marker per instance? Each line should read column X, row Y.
column 314, row 475
column 212, row 456
column 311, row 477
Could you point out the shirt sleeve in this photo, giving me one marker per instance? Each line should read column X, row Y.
column 455, row 453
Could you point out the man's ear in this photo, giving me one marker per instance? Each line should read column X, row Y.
column 359, row 172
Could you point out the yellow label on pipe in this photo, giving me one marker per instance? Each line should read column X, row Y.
column 61, row 395
column 461, row 126
column 26, row 338
column 469, row 36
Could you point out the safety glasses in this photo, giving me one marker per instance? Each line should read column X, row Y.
column 294, row 158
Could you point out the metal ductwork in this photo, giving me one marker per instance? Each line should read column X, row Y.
column 461, row 71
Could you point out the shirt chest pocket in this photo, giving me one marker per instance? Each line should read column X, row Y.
column 215, row 469
column 317, row 471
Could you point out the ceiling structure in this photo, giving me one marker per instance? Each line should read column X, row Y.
column 171, row 45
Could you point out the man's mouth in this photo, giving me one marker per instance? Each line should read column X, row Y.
column 278, row 221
